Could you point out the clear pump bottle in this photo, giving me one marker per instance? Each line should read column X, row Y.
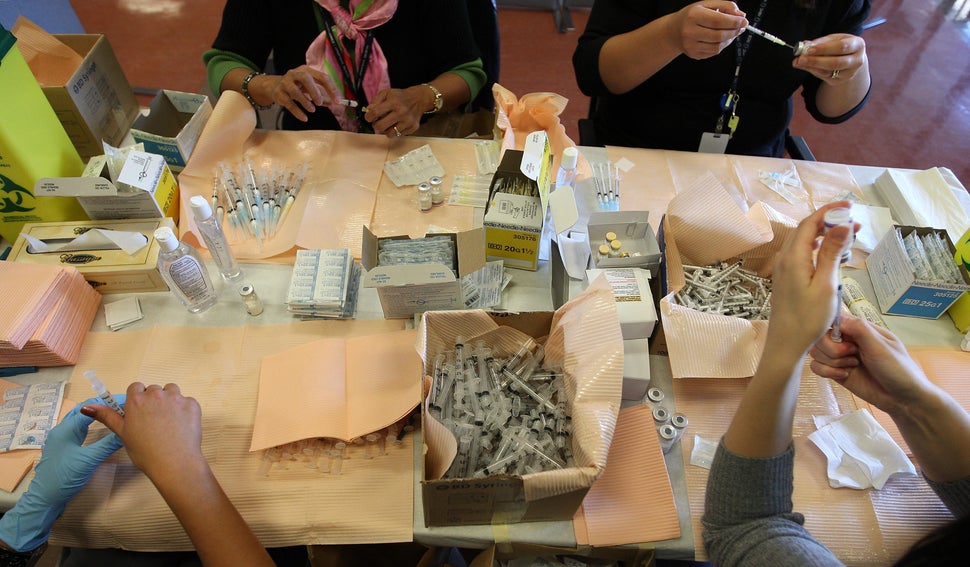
column 215, row 239
column 567, row 168
column 183, row 271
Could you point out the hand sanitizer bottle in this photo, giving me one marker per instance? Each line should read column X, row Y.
column 215, row 239
column 184, row 272
column 567, row 168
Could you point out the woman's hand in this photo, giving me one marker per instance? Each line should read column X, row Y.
column 161, row 429
column 835, row 58
column 397, row 112
column 803, row 297
column 703, row 29
column 300, row 90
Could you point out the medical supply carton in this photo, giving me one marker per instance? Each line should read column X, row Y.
column 173, row 125
column 898, row 291
column 594, row 367
column 639, row 246
column 636, row 369
column 634, row 300
column 415, row 288
column 33, row 145
column 146, row 189
column 97, row 104
column 107, row 270
column 517, row 202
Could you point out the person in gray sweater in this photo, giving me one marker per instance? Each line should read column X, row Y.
column 748, row 517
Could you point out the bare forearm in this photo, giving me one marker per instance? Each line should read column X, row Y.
column 220, row 535
column 454, row 92
column 762, row 425
column 836, row 99
column 628, row 59
column 937, row 430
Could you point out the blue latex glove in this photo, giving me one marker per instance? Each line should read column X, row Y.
column 65, row 467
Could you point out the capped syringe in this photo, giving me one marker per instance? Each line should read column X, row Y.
column 102, row 391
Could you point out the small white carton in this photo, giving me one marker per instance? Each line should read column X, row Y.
column 634, row 302
column 173, row 125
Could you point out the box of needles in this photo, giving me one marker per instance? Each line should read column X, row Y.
column 517, row 203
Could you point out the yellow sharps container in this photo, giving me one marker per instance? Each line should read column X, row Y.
column 33, row 145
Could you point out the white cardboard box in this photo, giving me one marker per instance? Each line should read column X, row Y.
column 634, row 232
column 173, row 125
column 897, row 289
column 153, row 193
column 634, row 302
column 636, row 369
column 415, row 288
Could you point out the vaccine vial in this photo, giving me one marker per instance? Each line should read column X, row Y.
column 836, row 217
column 424, row 197
column 679, row 421
column 668, row 436
column 660, row 415
column 567, row 167
column 615, row 246
column 655, row 395
column 254, row 306
column 604, row 251
column 437, row 190
column 802, row 48
column 183, row 271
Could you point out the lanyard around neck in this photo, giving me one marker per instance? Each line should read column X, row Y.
column 730, row 99
column 355, row 82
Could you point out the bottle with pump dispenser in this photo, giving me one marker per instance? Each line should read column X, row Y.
column 183, row 271
column 215, row 239
column 567, row 168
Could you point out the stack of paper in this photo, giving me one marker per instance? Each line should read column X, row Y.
column 45, row 312
column 324, row 284
column 933, row 198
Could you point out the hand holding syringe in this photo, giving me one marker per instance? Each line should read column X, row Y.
column 102, row 391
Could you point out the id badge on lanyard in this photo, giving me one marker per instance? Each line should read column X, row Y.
column 716, row 142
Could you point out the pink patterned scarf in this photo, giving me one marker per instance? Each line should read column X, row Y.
column 352, row 24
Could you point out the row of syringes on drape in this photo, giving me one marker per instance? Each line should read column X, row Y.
column 255, row 200
column 509, row 415
column 326, row 455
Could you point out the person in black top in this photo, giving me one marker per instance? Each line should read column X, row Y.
column 669, row 74
column 425, row 50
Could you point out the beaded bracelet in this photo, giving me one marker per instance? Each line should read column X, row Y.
column 249, row 97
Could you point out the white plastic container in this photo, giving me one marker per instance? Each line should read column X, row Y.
column 183, row 271
column 215, row 239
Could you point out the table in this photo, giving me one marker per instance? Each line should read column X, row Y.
column 529, row 292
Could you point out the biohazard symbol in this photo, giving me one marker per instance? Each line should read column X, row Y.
column 14, row 198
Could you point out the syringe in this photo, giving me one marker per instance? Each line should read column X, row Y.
column 799, row 49
column 102, row 391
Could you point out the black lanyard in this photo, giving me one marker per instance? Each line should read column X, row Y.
column 729, row 100
column 355, row 82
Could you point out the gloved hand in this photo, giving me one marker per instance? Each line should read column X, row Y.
column 65, row 467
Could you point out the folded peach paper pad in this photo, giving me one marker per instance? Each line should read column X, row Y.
column 337, row 388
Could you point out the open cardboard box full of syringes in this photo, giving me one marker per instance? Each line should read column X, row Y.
column 530, row 448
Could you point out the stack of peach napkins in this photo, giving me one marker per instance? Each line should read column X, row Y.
column 45, row 312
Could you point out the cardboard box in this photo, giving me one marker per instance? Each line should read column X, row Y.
column 897, row 289
column 636, row 369
column 634, row 300
column 173, row 125
column 635, row 234
column 517, row 202
column 108, row 271
column 146, row 189
column 33, row 145
column 415, row 288
column 97, row 104
column 590, row 334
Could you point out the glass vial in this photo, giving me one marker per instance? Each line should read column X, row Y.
column 254, row 305
column 215, row 239
column 437, row 190
column 424, row 197
column 567, row 168
column 183, row 271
